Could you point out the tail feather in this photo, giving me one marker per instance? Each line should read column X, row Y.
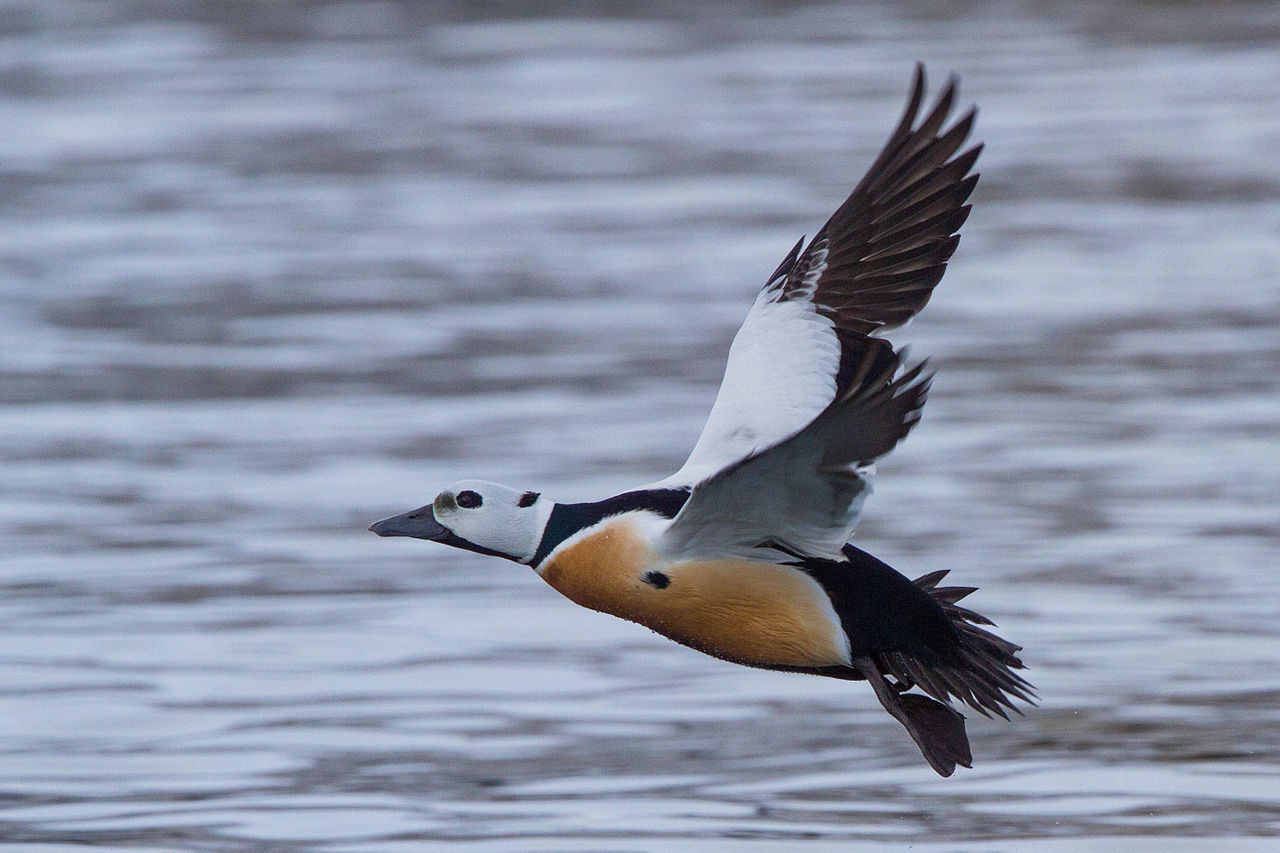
column 982, row 676
column 929, row 581
column 974, row 618
column 909, row 634
column 952, row 594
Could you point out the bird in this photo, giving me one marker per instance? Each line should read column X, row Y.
column 744, row 553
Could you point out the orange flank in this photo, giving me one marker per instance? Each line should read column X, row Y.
column 745, row 611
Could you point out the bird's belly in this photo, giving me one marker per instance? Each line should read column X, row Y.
column 749, row 612
column 754, row 613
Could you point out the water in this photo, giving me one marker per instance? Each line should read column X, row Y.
column 269, row 272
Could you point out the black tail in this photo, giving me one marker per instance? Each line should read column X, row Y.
column 905, row 634
column 980, row 674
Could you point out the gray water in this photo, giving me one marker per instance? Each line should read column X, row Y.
column 271, row 271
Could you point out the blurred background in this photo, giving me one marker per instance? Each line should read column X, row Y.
column 270, row 271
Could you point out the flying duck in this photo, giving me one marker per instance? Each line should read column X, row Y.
column 744, row 552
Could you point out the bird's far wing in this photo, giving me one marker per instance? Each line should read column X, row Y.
column 875, row 262
column 872, row 266
column 803, row 495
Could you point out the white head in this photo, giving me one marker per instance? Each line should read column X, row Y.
column 478, row 516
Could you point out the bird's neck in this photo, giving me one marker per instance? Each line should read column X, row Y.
column 565, row 520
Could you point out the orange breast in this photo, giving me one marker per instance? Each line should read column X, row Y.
column 746, row 611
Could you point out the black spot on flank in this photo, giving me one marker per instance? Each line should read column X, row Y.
column 528, row 499
column 657, row 579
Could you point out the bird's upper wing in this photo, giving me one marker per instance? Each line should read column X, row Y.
column 803, row 495
column 872, row 266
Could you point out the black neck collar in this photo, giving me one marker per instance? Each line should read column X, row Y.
column 567, row 519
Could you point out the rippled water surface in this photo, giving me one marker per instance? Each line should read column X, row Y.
column 271, row 271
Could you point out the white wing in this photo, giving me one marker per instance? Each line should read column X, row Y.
column 872, row 266
column 803, row 495
column 781, row 374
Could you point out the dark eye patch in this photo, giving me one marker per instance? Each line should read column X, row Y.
column 527, row 499
column 468, row 499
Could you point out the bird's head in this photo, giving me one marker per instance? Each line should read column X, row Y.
column 475, row 515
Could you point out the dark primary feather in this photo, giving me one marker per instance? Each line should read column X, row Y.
column 875, row 262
